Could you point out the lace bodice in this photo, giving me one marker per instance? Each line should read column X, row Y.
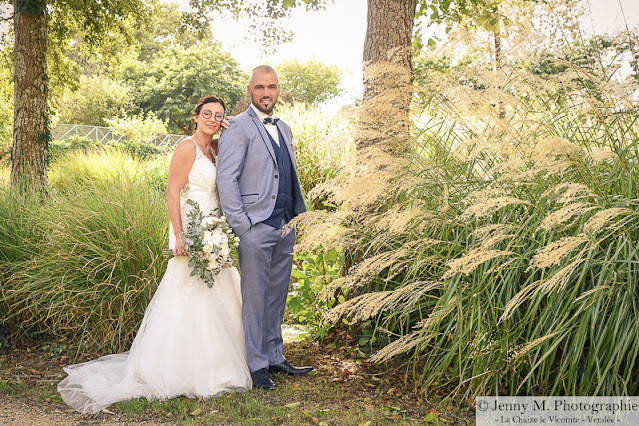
column 200, row 186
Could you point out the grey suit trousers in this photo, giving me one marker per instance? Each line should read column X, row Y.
column 266, row 258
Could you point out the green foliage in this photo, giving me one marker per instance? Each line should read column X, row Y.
column 138, row 129
column 601, row 56
column 311, row 82
column 312, row 271
column 265, row 28
column 102, row 167
column 321, row 146
column 170, row 83
column 87, row 259
column 96, row 99
column 58, row 148
column 506, row 259
column 143, row 151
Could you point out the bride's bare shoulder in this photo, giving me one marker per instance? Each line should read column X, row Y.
column 185, row 149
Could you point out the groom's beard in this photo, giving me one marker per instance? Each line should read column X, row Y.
column 266, row 110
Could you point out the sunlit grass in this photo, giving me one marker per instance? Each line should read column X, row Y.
column 323, row 144
column 86, row 258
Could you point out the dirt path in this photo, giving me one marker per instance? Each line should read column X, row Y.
column 26, row 411
column 344, row 390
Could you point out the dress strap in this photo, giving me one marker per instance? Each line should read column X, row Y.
column 198, row 150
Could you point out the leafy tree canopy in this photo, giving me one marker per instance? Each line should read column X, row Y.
column 310, row 82
column 172, row 81
column 266, row 27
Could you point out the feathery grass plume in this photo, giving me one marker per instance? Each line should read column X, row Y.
column 407, row 342
column 532, row 345
column 398, row 222
column 468, row 263
column 368, row 305
column 600, row 154
column 489, row 236
column 366, row 271
column 375, row 178
column 560, row 278
column 555, row 252
column 518, row 299
column 600, row 219
column 569, row 192
column 482, row 208
column 322, row 228
column 566, row 214
column 381, row 119
column 551, row 147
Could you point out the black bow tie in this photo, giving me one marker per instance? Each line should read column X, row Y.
column 273, row 120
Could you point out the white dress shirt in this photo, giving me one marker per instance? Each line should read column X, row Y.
column 270, row 127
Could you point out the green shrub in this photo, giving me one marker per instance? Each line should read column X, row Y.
column 140, row 150
column 312, row 271
column 86, row 259
column 59, row 148
column 138, row 129
column 322, row 148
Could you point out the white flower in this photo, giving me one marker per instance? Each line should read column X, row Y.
column 213, row 264
column 216, row 239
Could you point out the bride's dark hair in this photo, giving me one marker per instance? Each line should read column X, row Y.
column 198, row 107
column 206, row 100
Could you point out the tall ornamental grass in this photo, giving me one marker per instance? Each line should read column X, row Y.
column 88, row 256
column 323, row 145
column 506, row 259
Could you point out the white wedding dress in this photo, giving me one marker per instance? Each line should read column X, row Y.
column 191, row 340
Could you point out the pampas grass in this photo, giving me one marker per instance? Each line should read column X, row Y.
column 503, row 259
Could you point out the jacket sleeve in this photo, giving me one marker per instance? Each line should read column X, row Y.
column 232, row 148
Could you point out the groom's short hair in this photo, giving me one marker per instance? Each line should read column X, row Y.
column 267, row 69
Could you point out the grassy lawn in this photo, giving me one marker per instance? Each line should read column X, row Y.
column 341, row 391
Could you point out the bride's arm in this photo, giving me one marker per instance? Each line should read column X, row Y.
column 181, row 163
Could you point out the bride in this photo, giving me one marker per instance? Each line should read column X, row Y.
column 191, row 340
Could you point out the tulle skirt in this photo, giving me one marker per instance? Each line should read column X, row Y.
column 190, row 342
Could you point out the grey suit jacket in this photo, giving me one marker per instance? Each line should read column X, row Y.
column 247, row 170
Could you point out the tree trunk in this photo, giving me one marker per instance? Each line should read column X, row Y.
column 382, row 140
column 499, row 61
column 31, row 132
column 388, row 74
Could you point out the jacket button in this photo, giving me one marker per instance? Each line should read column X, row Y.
column 273, row 197
column 276, row 176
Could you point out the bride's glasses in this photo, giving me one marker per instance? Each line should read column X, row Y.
column 206, row 114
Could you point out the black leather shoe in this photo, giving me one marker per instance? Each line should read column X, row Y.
column 287, row 368
column 261, row 380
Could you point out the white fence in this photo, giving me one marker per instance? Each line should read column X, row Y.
column 106, row 134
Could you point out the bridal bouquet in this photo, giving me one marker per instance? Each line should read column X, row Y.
column 208, row 241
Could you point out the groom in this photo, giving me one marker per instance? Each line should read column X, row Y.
column 260, row 193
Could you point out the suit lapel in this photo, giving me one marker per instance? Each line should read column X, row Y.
column 262, row 130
